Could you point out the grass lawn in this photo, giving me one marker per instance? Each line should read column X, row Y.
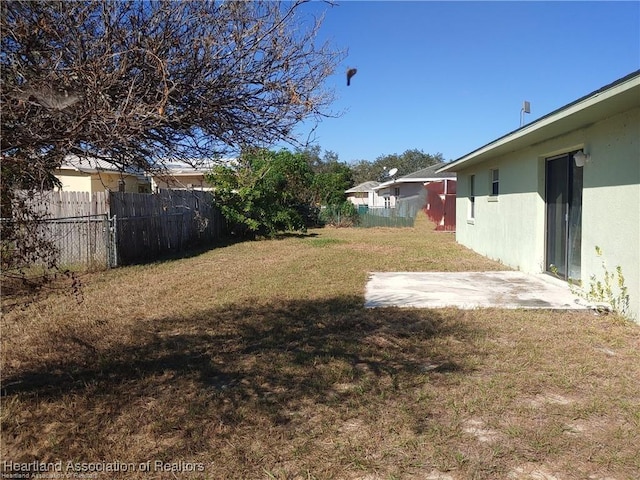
column 257, row 360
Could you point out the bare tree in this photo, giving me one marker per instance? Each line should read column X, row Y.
column 134, row 82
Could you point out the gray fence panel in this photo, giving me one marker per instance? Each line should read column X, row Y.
column 82, row 240
column 150, row 226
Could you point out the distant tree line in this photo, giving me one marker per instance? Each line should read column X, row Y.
column 408, row 162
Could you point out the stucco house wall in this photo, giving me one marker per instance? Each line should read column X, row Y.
column 74, row 181
column 385, row 197
column 411, row 185
column 511, row 227
column 519, row 205
column 398, row 191
column 611, row 196
column 360, row 198
column 189, row 174
column 94, row 175
column 410, row 189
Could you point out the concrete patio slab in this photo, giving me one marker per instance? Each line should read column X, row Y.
column 469, row 290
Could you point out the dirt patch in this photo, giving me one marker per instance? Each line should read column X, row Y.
column 544, row 399
column 532, row 472
column 478, row 429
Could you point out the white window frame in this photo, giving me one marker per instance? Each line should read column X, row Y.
column 472, row 199
column 494, row 184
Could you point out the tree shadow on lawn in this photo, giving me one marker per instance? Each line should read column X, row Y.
column 185, row 380
column 195, row 250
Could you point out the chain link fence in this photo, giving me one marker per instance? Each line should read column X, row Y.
column 110, row 229
column 403, row 215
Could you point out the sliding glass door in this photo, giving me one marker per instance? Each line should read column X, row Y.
column 564, row 216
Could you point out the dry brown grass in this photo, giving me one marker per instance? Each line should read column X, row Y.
column 258, row 360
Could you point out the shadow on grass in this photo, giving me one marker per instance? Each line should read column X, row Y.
column 241, row 366
column 224, row 241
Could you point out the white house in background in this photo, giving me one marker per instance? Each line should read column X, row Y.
column 183, row 175
column 363, row 195
column 78, row 174
column 386, row 194
column 412, row 185
column 549, row 195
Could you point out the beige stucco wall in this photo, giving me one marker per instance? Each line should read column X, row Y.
column 73, row 181
column 511, row 228
column 109, row 181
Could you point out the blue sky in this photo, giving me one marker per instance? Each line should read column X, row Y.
column 449, row 77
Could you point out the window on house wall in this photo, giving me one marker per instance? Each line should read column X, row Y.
column 396, row 192
column 472, row 197
column 495, row 182
column 387, row 202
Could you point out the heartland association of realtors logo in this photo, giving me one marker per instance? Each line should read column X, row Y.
column 71, row 469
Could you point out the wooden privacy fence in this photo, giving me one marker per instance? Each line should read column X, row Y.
column 149, row 226
column 117, row 228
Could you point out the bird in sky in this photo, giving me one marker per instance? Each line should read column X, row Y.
column 350, row 73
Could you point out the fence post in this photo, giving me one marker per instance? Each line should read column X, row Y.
column 90, row 246
column 112, row 232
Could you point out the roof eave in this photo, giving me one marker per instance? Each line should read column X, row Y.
column 75, row 168
column 426, row 179
column 413, row 180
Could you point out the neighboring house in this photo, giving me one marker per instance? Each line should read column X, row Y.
column 426, row 189
column 546, row 196
column 413, row 184
column 434, row 191
column 92, row 175
column 363, row 195
column 182, row 175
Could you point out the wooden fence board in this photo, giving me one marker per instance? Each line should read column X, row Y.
column 70, row 204
column 149, row 226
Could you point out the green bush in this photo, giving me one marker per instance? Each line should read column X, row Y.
column 261, row 195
